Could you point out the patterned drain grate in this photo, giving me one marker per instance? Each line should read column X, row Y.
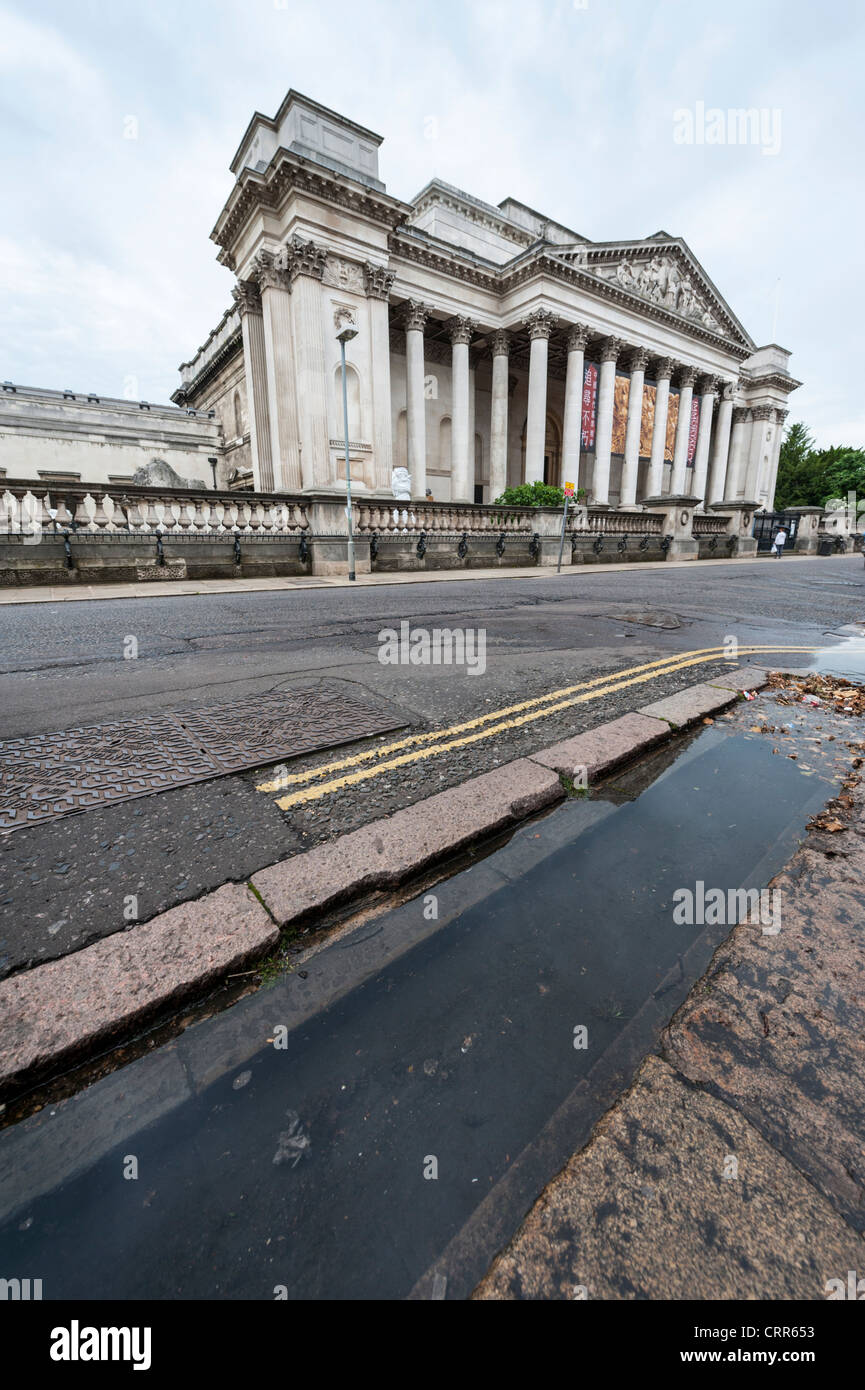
column 51, row 775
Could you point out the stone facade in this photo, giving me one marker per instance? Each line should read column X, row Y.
column 494, row 346
column 67, row 437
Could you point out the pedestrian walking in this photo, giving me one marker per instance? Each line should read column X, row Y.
column 779, row 542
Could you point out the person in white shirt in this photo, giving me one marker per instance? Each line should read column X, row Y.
column 779, row 542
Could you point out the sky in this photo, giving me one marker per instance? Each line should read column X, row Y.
column 118, row 121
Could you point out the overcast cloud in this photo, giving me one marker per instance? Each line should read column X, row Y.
column 107, row 272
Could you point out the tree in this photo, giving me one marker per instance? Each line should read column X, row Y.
column 798, row 483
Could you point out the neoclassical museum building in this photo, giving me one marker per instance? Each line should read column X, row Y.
column 494, row 346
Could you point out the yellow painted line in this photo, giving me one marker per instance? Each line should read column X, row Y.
column 294, row 779
column 615, row 683
column 413, row 740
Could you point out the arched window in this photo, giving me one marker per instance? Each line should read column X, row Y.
column 444, row 464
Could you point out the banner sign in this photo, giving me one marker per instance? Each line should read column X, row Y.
column 694, row 430
column 590, row 404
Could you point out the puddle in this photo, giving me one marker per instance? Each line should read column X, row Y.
column 846, row 659
column 333, row 1133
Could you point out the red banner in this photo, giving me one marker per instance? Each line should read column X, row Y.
column 694, row 430
column 590, row 405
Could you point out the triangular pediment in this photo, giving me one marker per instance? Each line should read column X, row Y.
column 664, row 272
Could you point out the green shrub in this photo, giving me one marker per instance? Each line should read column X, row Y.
column 535, row 495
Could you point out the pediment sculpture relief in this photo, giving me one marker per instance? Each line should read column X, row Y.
column 661, row 281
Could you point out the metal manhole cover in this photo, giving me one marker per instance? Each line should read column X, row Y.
column 50, row 775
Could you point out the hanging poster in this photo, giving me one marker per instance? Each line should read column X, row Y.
column 590, row 404
column 694, row 430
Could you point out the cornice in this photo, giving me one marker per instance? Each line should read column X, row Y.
column 291, row 173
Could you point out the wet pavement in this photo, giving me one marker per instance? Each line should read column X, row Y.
column 390, row 1110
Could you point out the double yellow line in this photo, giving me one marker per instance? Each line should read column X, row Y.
column 351, row 770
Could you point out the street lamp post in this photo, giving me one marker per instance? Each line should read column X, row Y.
column 345, row 334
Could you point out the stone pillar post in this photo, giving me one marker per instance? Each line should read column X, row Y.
column 274, row 286
column 415, row 404
column 683, row 430
column 735, row 470
column 701, row 457
column 539, row 326
column 378, row 286
column 720, row 453
column 247, row 297
column 304, row 263
column 663, row 372
column 500, row 347
column 572, row 430
column 631, row 464
column 610, row 349
column 462, row 449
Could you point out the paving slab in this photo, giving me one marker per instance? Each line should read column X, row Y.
column 388, row 851
column 645, row 1211
column 687, row 706
column 747, row 678
column 777, row 1026
column 59, row 1011
column 601, row 749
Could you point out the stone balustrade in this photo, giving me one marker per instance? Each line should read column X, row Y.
column 75, row 532
column 29, row 508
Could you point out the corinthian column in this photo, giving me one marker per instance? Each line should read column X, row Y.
column 462, row 450
column 780, row 417
column 378, row 286
column 735, row 471
column 247, row 297
column 631, row 463
column 610, row 349
column 415, row 407
column 500, row 346
column 701, row 458
column 718, row 476
column 280, row 373
column 539, row 326
column 683, row 431
column 663, row 371
column 572, row 429
column 759, row 452
column 304, row 264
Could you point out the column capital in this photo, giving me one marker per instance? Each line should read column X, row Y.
column 460, row 329
column 741, row 414
column 664, row 368
column 500, row 343
column 638, row 360
column 728, row 390
column 378, row 281
column 539, row 324
column 781, row 416
column 299, row 257
column 416, row 315
column 763, row 412
column 707, row 384
column 610, row 349
column 578, row 337
column 687, row 375
column 247, row 296
column 267, row 272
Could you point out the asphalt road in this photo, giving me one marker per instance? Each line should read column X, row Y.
column 65, row 883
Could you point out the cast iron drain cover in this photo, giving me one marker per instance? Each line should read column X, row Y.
column 51, row 775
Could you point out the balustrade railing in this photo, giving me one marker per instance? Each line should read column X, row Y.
column 33, row 508
column 710, row 525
